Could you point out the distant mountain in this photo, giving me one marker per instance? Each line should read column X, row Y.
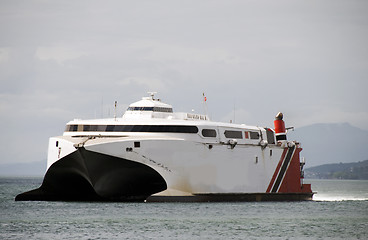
column 357, row 170
column 28, row 169
column 331, row 143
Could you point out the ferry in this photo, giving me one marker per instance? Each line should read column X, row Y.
column 152, row 154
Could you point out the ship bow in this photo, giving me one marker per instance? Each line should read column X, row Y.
column 90, row 176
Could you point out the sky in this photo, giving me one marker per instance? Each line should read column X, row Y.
column 61, row 60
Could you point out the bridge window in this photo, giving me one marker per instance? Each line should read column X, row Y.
column 71, row 128
column 154, row 109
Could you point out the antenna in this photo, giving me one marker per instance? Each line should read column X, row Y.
column 152, row 94
column 234, row 110
column 116, row 103
column 102, row 107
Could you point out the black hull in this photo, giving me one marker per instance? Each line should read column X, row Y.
column 89, row 176
column 234, row 197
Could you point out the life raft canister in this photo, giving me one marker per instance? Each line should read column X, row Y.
column 280, row 129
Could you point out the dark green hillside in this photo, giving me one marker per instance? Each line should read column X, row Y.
column 357, row 170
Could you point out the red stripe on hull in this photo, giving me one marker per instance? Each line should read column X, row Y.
column 291, row 181
column 277, row 170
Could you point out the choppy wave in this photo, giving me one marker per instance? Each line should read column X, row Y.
column 335, row 213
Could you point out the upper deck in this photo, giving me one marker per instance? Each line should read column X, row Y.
column 152, row 117
column 149, row 108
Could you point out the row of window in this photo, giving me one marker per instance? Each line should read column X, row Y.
column 154, row 109
column 239, row 134
column 167, row 129
column 231, row 134
column 131, row 128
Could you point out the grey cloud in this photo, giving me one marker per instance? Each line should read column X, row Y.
column 64, row 60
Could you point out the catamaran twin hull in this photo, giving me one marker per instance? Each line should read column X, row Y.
column 169, row 169
column 153, row 154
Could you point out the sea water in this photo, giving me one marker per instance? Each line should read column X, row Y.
column 339, row 211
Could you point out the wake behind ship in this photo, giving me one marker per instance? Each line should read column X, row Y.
column 154, row 154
